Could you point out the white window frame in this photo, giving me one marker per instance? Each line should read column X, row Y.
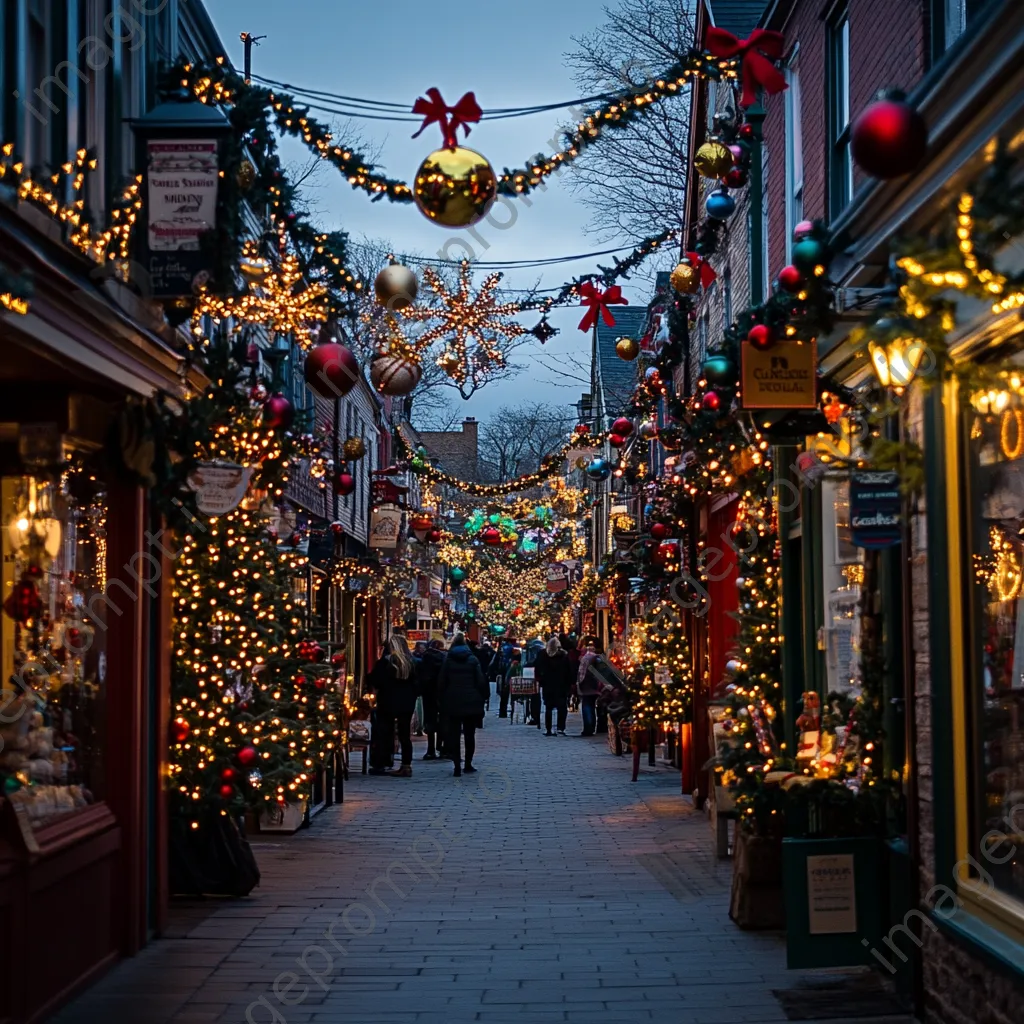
column 794, row 152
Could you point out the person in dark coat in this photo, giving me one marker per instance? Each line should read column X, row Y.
column 393, row 679
column 463, row 691
column 429, row 679
column 554, row 672
column 507, row 654
column 588, row 686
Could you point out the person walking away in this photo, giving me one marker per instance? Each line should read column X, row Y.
column 588, row 686
column 572, row 650
column 429, row 679
column 417, row 660
column 554, row 673
column 474, row 649
column 508, row 653
column 533, row 650
column 463, row 691
column 485, row 655
column 394, row 680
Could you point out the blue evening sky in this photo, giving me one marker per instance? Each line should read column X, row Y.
column 511, row 55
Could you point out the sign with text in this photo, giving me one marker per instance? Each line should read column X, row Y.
column 182, row 176
column 875, row 508
column 831, row 895
column 782, row 377
column 219, row 486
column 385, row 528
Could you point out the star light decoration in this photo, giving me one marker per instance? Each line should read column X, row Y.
column 465, row 318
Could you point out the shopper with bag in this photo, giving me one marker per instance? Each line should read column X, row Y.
column 463, row 691
column 588, row 686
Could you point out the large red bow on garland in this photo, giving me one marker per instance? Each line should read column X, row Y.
column 598, row 303
column 435, row 111
column 706, row 271
column 757, row 53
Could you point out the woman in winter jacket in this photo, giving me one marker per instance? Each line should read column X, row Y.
column 463, row 691
column 554, row 671
column 588, row 686
column 393, row 679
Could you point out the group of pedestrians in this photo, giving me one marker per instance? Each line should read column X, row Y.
column 454, row 691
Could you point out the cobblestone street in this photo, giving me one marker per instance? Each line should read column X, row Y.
column 546, row 887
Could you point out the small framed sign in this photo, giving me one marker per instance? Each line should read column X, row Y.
column 784, row 376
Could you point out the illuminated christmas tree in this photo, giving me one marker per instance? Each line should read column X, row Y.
column 661, row 667
column 254, row 710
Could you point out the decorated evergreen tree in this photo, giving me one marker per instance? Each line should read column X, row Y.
column 661, row 668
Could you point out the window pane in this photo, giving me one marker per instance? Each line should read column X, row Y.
column 996, row 450
column 955, row 20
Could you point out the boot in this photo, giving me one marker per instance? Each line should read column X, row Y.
column 405, row 772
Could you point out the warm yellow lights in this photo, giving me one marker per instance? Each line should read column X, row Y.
column 896, row 361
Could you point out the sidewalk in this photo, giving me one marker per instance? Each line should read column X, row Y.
column 546, row 887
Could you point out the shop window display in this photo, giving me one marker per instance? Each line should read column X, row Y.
column 53, row 644
column 996, row 449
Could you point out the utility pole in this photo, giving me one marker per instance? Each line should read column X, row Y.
column 249, row 41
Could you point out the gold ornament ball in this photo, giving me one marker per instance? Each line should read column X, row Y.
column 395, row 287
column 685, row 278
column 713, row 160
column 246, row 175
column 354, row 449
column 627, row 348
column 455, row 187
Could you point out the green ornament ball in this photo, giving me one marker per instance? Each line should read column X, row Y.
column 720, row 370
column 809, row 253
column 457, row 574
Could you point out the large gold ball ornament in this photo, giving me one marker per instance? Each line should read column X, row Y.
column 354, row 449
column 685, row 278
column 395, row 287
column 627, row 348
column 713, row 160
column 455, row 187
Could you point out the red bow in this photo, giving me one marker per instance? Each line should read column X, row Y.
column 757, row 53
column 598, row 303
column 435, row 111
column 706, row 271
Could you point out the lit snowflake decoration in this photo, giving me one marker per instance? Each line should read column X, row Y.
column 476, row 329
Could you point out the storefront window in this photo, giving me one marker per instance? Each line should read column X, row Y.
column 996, row 449
column 52, row 647
column 843, row 572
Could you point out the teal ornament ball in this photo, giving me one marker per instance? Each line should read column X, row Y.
column 457, row 574
column 720, row 370
column 599, row 469
column 809, row 253
column 720, row 205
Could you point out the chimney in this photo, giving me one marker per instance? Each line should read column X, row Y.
column 470, row 428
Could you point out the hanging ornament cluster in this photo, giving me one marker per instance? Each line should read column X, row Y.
column 395, row 375
column 395, row 287
column 691, row 274
column 627, row 349
column 353, row 449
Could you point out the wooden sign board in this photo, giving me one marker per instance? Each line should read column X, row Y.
column 782, row 377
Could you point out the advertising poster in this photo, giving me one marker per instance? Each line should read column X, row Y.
column 831, row 896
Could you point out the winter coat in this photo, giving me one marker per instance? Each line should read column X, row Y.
column 587, row 684
column 555, row 675
column 485, row 655
column 462, row 685
column 429, row 676
column 395, row 696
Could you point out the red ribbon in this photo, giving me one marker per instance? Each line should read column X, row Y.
column 706, row 271
column 435, row 111
column 598, row 303
column 757, row 53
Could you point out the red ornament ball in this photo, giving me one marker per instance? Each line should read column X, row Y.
column 736, row 177
column 790, row 279
column 227, row 792
column 622, row 426
column 247, row 757
column 434, row 536
column 803, row 229
column 228, row 775
column 344, row 484
column 746, row 131
column 331, row 370
column 664, row 553
column 711, row 402
column 889, row 138
column 491, row 535
column 581, row 428
column 616, row 440
column 180, row 731
column 761, row 337
column 278, row 412
column 659, row 531
column 320, row 682
column 337, row 528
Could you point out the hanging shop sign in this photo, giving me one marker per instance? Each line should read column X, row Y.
column 385, row 527
column 357, row 584
column 558, row 577
column 387, row 493
column 603, row 600
column 782, row 377
column 178, row 147
column 875, row 508
column 219, row 486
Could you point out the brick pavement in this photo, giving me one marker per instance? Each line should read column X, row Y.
column 545, row 888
